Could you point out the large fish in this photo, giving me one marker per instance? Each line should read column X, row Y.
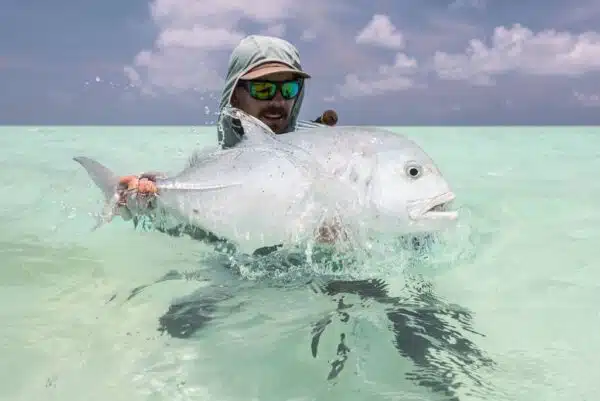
column 272, row 190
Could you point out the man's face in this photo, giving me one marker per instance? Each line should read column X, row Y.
column 275, row 113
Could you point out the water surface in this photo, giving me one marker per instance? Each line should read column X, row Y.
column 524, row 263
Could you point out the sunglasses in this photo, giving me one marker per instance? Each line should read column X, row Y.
column 267, row 90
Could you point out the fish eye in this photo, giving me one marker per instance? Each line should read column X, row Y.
column 414, row 171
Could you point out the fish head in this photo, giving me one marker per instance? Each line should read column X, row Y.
column 409, row 193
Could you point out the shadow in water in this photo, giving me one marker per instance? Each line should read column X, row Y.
column 185, row 317
column 424, row 330
column 427, row 330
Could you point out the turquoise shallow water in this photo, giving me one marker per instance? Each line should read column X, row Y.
column 524, row 262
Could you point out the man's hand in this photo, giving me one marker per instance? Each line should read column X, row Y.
column 144, row 185
column 329, row 117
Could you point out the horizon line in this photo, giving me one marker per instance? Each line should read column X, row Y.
column 31, row 125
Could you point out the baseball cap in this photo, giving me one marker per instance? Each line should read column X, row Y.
column 272, row 67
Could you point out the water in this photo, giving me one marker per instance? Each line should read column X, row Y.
column 523, row 262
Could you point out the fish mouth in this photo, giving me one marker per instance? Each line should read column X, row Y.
column 435, row 208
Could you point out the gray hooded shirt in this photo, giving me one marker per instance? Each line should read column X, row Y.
column 249, row 53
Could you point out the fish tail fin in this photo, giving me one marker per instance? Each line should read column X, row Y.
column 102, row 176
column 106, row 181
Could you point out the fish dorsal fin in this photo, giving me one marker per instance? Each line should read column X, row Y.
column 241, row 129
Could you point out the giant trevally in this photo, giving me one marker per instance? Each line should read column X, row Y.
column 272, row 189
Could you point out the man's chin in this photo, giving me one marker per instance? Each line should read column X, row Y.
column 277, row 126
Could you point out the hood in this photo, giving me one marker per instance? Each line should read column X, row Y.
column 250, row 52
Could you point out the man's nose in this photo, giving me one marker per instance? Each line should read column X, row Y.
column 278, row 99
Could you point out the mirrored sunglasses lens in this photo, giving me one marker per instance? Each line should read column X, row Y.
column 290, row 90
column 262, row 90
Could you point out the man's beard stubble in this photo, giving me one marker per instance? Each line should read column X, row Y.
column 276, row 125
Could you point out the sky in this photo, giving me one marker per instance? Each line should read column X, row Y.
column 376, row 62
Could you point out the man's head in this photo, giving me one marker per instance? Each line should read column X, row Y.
column 269, row 92
column 265, row 79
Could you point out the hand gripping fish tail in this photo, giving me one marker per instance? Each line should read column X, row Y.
column 145, row 184
column 120, row 193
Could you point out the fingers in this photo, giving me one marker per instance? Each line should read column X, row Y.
column 129, row 182
column 142, row 185
column 146, row 186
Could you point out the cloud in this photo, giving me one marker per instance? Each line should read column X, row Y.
column 195, row 39
column 388, row 78
column 308, row 35
column 515, row 49
column 381, row 32
column 274, row 30
column 520, row 50
column 477, row 4
column 443, row 54
column 587, row 100
column 198, row 37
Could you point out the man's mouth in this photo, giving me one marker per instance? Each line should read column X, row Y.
column 273, row 116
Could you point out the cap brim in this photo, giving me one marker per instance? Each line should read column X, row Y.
column 262, row 72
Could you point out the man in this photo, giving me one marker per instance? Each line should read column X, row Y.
column 266, row 80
